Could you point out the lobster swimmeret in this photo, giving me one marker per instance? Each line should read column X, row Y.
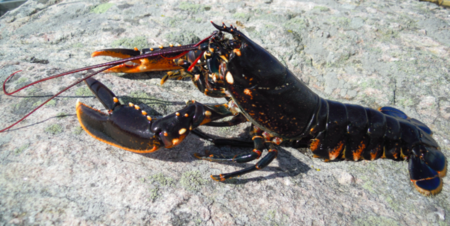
column 254, row 81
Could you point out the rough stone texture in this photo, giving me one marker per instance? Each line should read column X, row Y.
column 374, row 53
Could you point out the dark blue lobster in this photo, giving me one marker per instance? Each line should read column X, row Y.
column 260, row 89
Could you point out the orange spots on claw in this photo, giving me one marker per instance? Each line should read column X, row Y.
column 115, row 100
column 248, row 92
column 165, row 134
column 175, row 141
column 182, row 131
column 229, row 78
column 314, row 145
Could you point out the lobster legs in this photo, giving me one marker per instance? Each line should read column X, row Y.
column 130, row 128
column 259, row 142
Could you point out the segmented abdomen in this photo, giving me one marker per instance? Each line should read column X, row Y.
column 353, row 132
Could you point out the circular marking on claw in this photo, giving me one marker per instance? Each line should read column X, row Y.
column 196, row 77
column 171, row 45
column 136, row 107
column 248, row 92
column 149, row 118
column 144, row 113
column 208, row 113
column 165, row 134
column 160, row 46
column 115, row 100
column 130, row 104
column 175, row 141
column 229, row 78
column 177, row 113
column 182, row 131
column 151, row 49
column 186, row 115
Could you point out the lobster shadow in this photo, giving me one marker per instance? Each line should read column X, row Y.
column 289, row 165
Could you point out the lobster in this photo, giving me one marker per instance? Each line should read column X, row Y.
column 261, row 90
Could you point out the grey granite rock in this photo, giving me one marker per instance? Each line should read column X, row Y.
column 374, row 53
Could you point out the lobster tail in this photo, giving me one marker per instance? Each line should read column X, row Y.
column 353, row 132
column 426, row 171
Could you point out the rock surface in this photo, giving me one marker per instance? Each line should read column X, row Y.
column 374, row 53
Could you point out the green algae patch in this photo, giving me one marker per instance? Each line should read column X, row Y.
column 192, row 7
column 21, row 149
column 54, row 129
column 375, row 220
column 161, row 179
column 139, row 42
column 192, row 180
column 83, row 91
column 102, row 8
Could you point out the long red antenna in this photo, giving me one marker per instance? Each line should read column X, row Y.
column 49, row 99
column 179, row 49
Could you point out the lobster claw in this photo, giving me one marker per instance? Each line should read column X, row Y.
column 156, row 63
column 132, row 129
column 124, row 126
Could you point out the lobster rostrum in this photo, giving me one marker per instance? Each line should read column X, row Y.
column 254, row 82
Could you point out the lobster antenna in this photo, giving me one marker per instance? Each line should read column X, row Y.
column 181, row 49
column 49, row 99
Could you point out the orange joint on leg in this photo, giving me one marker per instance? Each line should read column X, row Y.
column 277, row 140
column 254, row 137
column 258, row 152
column 266, row 136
